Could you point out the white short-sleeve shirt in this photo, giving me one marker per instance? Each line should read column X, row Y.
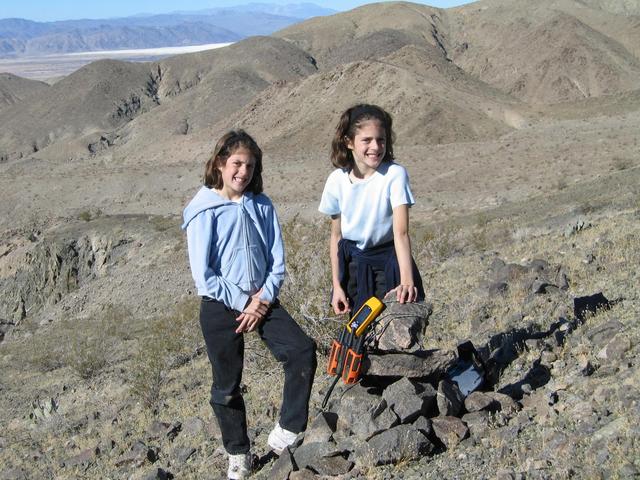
column 366, row 208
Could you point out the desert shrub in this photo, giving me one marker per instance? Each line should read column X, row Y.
column 90, row 214
column 88, row 355
column 43, row 351
column 147, row 374
column 86, row 345
column 560, row 183
column 622, row 163
column 89, row 351
column 305, row 292
column 484, row 235
column 168, row 342
column 478, row 238
column 162, row 223
column 437, row 243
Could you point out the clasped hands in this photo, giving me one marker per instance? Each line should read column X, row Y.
column 252, row 314
column 404, row 294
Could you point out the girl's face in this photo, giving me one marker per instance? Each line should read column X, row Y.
column 369, row 146
column 236, row 174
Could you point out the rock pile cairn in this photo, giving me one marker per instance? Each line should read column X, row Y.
column 403, row 408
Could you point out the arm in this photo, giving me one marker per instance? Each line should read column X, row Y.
column 276, row 262
column 406, row 291
column 260, row 301
column 200, row 242
column 339, row 300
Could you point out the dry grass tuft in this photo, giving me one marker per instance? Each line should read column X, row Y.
column 168, row 342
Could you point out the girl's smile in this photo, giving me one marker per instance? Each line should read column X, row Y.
column 368, row 148
column 236, row 174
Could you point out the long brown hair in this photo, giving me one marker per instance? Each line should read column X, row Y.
column 350, row 121
column 226, row 146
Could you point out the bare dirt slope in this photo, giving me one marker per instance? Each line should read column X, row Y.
column 408, row 82
column 546, row 52
column 98, row 97
column 14, row 89
column 366, row 32
column 192, row 90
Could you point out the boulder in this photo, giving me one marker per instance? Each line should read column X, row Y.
column 402, row 397
column 283, row 466
column 419, row 364
column 401, row 326
column 363, row 413
column 449, row 430
column 402, row 442
column 321, row 428
column 322, row 457
column 480, row 401
column 450, row 399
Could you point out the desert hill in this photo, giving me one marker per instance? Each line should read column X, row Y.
column 621, row 7
column 98, row 97
column 368, row 32
column 409, row 82
column 546, row 52
column 105, row 95
column 569, row 54
column 518, row 124
column 14, row 89
column 198, row 91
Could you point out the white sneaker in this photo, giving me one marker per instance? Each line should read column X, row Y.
column 239, row 466
column 279, row 439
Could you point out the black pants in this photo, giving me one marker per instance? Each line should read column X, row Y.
column 352, row 283
column 288, row 344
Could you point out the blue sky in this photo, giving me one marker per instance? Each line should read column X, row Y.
column 49, row 10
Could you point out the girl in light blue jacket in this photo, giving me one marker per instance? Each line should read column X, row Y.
column 237, row 262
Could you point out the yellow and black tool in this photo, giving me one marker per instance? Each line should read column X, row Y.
column 347, row 351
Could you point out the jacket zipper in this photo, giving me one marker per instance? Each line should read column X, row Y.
column 246, row 245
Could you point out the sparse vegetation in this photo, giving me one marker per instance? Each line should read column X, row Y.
column 306, row 292
column 438, row 243
column 90, row 214
column 622, row 163
column 166, row 342
column 86, row 345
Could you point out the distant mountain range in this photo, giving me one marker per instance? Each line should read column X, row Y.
column 474, row 72
column 20, row 37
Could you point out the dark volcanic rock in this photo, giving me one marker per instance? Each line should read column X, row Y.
column 401, row 326
column 450, row 430
column 399, row 443
column 402, row 397
column 450, row 399
column 321, row 428
column 364, row 414
column 419, row 364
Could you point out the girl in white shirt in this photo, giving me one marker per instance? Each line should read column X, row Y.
column 368, row 198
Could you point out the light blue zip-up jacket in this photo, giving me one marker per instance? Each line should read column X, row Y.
column 235, row 248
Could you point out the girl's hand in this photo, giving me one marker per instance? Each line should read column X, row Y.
column 248, row 322
column 406, row 293
column 253, row 313
column 339, row 302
